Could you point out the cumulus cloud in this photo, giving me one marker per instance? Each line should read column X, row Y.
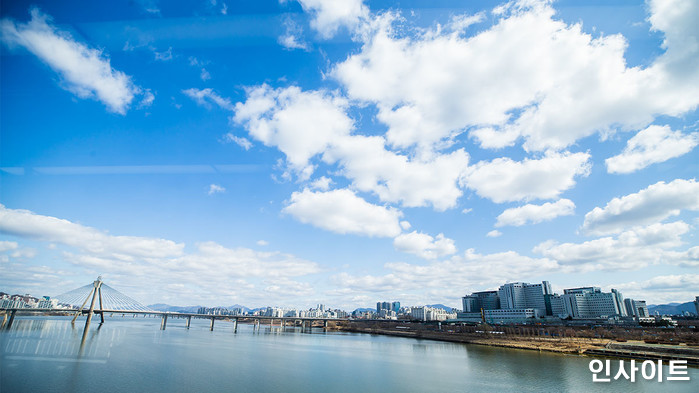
column 329, row 15
column 292, row 38
column 205, row 97
column 504, row 180
column 633, row 249
column 238, row 140
column 322, row 183
column 216, row 189
column 652, row 204
column 494, row 233
column 457, row 275
column 301, row 124
column 85, row 72
column 342, row 211
column 304, row 124
column 649, row 146
column 424, row 245
column 211, row 271
column 661, row 289
column 397, row 178
column 534, row 214
column 25, row 223
column 528, row 76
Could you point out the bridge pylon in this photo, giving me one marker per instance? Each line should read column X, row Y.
column 94, row 293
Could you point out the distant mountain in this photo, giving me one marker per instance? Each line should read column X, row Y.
column 443, row 307
column 672, row 308
column 167, row 307
column 245, row 309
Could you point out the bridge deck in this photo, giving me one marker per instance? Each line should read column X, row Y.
column 169, row 314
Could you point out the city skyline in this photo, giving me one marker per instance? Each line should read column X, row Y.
column 306, row 152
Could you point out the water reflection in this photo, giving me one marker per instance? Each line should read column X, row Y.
column 56, row 340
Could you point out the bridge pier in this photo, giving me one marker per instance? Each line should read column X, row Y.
column 325, row 324
column 235, row 325
column 12, row 318
column 189, row 321
column 212, row 324
column 303, row 325
column 163, row 322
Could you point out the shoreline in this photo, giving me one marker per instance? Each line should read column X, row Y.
column 572, row 346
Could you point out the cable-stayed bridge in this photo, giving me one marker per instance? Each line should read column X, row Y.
column 111, row 299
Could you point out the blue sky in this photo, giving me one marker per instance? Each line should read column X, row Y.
column 300, row 152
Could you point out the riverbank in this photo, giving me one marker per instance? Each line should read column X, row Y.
column 570, row 345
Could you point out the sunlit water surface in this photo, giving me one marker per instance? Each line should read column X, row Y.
column 44, row 354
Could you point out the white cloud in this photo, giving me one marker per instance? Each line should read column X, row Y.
column 148, row 98
column 25, row 223
column 322, row 183
column 164, row 55
column 649, row 146
column 396, row 178
column 7, row 245
column 342, row 211
column 424, row 245
column 216, row 189
column 300, row 124
column 144, row 265
column 467, row 210
column 304, row 124
column 85, row 72
column 292, row 38
column 462, row 22
column 206, row 96
column 528, row 76
column 652, row 204
column 239, row 140
column 632, row 249
column 330, row 15
column 494, row 233
column 534, row 214
column 504, row 180
column 204, row 75
column 405, row 225
column 459, row 275
column 262, row 243
column 662, row 289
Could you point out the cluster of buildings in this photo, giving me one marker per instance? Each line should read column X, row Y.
column 28, row 301
column 519, row 301
column 321, row 311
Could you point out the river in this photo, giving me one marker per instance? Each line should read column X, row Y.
column 44, row 354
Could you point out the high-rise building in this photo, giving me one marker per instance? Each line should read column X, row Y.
column 395, row 307
column 590, row 302
column 470, row 303
column 696, row 304
column 521, row 295
column 620, row 301
column 636, row 308
column 487, row 300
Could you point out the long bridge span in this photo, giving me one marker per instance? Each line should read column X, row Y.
column 257, row 320
column 115, row 302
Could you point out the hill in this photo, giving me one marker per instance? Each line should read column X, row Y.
column 672, row 308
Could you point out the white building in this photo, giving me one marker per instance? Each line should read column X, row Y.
column 47, row 302
column 521, row 295
column 587, row 302
column 425, row 313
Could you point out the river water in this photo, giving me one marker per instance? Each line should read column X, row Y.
column 44, row 354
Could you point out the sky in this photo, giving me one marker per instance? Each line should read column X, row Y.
column 290, row 153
